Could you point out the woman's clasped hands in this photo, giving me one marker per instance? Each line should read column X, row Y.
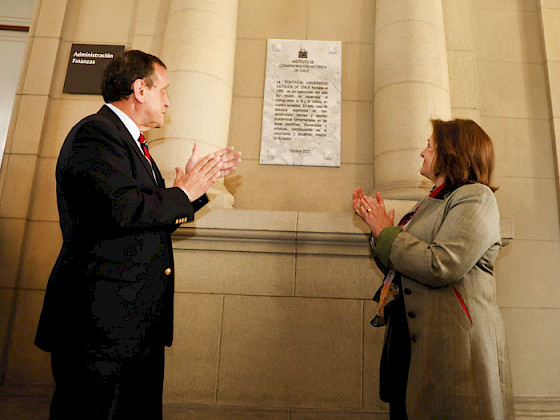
column 372, row 211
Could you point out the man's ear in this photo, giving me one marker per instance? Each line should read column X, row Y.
column 139, row 88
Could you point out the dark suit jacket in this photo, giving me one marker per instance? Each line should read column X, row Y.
column 111, row 290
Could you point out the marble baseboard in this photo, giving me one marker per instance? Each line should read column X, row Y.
column 537, row 408
column 31, row 402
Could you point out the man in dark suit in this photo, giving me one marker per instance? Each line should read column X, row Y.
column 108, row 308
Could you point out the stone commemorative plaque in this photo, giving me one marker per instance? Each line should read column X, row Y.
column 302, row 100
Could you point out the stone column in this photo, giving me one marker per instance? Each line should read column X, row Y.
column 198, row 48
column 549, row 13
column 411, row 85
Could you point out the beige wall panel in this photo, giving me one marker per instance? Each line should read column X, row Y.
column 550, row 4
column 98, row 21
column 533, row 339
column 285, row 188
column 341, row 21
column 63, row 114
column 463, row 89
column 333, row 276
column 264, row 19
column 517, row 264
column 18, row 181
column 523, row 147
column 148, row 43
column 59, row 74
column 43, row 200
column 6, row 297
column 3, row 171
column 550, row 19
column 42, row 245
column 373, row 345
column 457, row 16
column 26, row 59
column 29, row 125
column 192, row 361
column 150, row 17
column 250, row 64
column 532, row 205
column 512, row 90
column 26, row 363
column 223, row 413
column 39, row 73
column 245, row 126
column 12, row 127
column 505, row 5
column 357, row 72
column 234, row 273
column 554, row 82
column 508, row 35
column 50, row 18
column 286, row 352
column 11, row 232
column 556, row 146
column 357, row 132
column 34, row 18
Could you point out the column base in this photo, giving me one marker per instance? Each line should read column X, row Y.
column 220, row 197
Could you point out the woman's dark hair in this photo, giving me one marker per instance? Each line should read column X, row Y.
column 123, row 70
column 464, row 153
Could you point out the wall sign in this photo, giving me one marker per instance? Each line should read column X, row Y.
column 301, row 108
column 86, row 65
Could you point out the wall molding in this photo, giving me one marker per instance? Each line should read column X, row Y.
column 287, row 231
column 14, row 22
column 32, row 395
column 537, row 407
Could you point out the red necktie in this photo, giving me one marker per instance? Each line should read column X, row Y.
column 144, row 146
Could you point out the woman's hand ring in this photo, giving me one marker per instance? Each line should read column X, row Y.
column 368, row 210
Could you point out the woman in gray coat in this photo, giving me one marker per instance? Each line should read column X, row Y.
column 444, row 355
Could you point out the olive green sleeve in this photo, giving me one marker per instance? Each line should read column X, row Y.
column 381, row 248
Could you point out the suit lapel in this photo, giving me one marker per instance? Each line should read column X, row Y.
column 125, row 135
column 159, row 177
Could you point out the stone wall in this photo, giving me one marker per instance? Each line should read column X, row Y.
column 273, row 295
